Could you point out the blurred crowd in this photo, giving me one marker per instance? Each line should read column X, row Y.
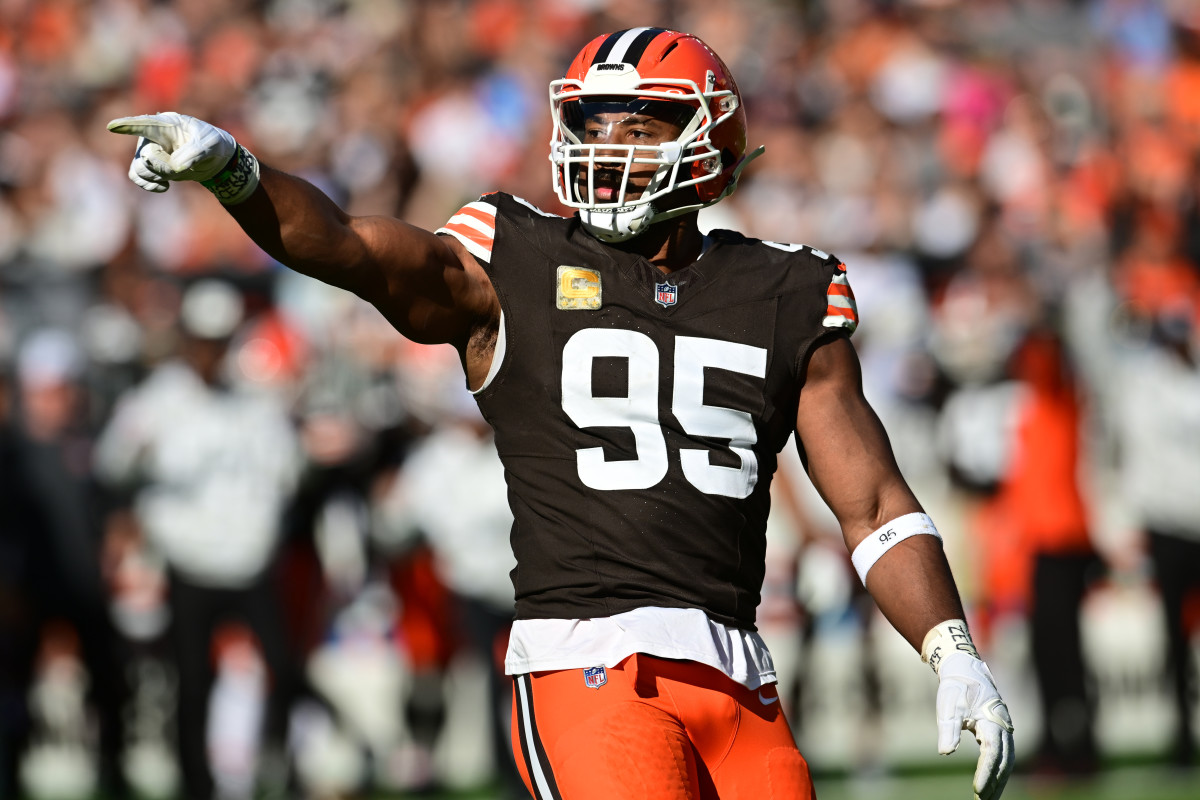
column 214, row 470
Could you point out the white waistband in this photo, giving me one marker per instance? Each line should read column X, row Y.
column 538, row 645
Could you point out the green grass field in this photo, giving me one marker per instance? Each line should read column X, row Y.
column 1116, row 783
column 1128, row 783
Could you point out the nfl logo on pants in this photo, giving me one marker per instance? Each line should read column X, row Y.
column 665, row 294
column 595, row 677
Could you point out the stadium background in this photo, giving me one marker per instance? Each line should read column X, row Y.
column 985, row 169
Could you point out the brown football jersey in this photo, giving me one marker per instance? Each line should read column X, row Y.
column 639, row 415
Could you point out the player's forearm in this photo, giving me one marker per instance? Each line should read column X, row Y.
column 299, row 226
column 914, row 588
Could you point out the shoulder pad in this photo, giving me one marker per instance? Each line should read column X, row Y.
column 787, row 247
column 841, row 311
column 534, row 208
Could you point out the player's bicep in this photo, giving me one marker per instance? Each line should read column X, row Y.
column 847, row 451
column 429, row 287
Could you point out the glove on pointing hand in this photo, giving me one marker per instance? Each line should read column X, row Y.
column 176, row 147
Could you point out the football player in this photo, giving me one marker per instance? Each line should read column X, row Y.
column 641, row 378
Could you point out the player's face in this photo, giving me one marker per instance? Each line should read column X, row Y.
column 626, row 126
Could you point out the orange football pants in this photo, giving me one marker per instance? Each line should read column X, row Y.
column 653, row 728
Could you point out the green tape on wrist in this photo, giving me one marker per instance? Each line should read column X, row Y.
column 237, row 180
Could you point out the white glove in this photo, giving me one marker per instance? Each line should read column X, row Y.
column 176, row 147
column 967, row 698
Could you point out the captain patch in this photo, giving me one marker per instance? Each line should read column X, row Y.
column 578, row 289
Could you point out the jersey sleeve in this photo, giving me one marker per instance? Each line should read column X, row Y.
column 840, row 309
column 474, row 225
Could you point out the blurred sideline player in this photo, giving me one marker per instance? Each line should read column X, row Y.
column 641, row 378
column 209, row 465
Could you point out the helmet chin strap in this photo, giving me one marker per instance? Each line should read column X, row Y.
column 622, row 224
column 618, row 225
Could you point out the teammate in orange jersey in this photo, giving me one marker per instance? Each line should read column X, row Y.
column 641, row 378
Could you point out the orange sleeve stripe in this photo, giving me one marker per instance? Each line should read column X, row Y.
column 841, row 289
column 848, row 313
column 487, row 219
column 484, row 240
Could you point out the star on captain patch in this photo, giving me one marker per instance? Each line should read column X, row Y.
column 578, row 289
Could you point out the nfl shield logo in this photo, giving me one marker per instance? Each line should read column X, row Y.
column 665, row 294
column 595, row 677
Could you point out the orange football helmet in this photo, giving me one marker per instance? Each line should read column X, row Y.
column 657, row 73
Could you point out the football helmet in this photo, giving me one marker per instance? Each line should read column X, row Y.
column 644, row 73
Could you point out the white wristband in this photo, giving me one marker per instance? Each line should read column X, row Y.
column 944, row 638
column 870, row 549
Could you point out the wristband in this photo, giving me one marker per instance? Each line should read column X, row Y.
column 870, row 549
column 944, row 638
column 237, row 180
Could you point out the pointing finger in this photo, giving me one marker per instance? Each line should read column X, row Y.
column 154, row 127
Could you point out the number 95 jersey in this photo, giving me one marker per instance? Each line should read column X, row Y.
column 638, row 415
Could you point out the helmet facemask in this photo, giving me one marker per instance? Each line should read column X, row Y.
column 618, row 187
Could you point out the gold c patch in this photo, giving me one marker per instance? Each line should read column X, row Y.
column 578, row 289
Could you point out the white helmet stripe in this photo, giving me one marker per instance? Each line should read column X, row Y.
column 617, row 54
column 628, row 46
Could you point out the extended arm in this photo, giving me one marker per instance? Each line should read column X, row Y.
column 429, row 287
column 852, row 465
